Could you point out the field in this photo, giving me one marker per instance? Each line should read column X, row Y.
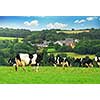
column 75, row 55
column 50, row 75
column 10, row 38
column 73, row 31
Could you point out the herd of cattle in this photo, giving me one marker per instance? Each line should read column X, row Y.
column 23, row 59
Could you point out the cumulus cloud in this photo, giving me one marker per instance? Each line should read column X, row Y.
column 79, row 21
column 90, row 18
column 56, row 25
column 31, row 23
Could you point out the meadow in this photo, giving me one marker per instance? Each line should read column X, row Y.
column 72, row 54
column 73, row 31
column 11, row 38
column 50, row 75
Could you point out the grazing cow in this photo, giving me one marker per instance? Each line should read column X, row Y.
column 65, row 62
column 59, row 61
column 52, row 60
column 97, row 59
column 87, row 62
column 23, row 59
column 77, row 62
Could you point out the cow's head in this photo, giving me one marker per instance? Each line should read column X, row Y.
column 11, row 61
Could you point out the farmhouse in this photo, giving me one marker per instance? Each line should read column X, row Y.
column 44, row 44
column 67, row 42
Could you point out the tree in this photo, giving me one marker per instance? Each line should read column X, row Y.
column 45, row 57
column 98, row 54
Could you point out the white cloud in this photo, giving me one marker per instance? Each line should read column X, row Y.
column 90, row 18
column 32, row 23
column 56, row 25
column 79, row 21
column 76, row 21
column 42, row 16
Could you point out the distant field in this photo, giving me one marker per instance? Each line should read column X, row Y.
column 75, row 55
column 79, row 55
column 10, row 38
column 50, row 75
column 73, row 32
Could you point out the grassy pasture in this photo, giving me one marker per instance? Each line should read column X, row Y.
column 10, row 38
column 75, row 55
column 50, row 75
column 73, row 32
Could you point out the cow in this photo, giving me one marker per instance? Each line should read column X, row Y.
column 87, row 62
column 59, row 60
column 97, row 60
column 24, row 59
column 77, row 62
column 65, row 62
column 52, row 60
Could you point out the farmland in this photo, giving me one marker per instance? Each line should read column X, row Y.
column 10, row 38
column 50, row 75
column 73, row 31
column 75, row 55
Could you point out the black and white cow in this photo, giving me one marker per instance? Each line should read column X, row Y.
column 52, row 60
column 77, row 62
column 87, row 62
column 23, row 59
column 59, row 61
column 97, row 60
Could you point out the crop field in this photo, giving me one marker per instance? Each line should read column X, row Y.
column 10, row 38
column 50, row 75
column 73, row 32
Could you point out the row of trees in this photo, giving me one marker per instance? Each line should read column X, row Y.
column 88, row 47
column 49, row 35
column 6, row 32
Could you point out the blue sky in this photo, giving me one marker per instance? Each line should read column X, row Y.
column 50, row 22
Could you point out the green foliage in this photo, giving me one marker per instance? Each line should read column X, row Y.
column 57, row 46
column 45, row 58
column 88, row 47
column 98, row 54
column 65, row 49
column 6, row 32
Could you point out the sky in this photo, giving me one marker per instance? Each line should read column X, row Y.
column 50, row 22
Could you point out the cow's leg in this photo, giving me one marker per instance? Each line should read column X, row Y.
column 63, row 65
column 87, row 65
column 91, row 65
column 55, row 65
column 67, row 64
column 98, row 64
column 37, row 67
column 15, row 67
column 23, row 65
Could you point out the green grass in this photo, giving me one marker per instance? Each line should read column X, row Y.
column 50, row 75
column 10, row 38
column 51, row 50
